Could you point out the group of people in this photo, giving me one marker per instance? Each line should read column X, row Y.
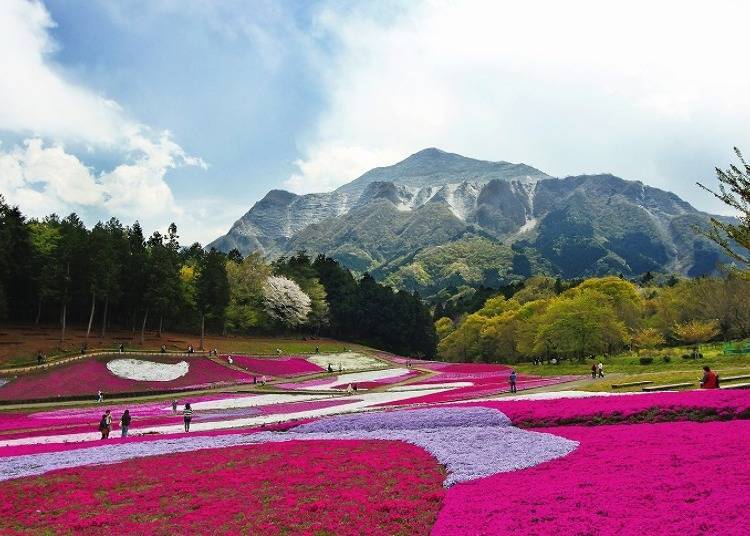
column 105, row 424
column 597, row 370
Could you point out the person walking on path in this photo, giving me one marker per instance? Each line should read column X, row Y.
column 512, row 379
column 593, row 371
column 710, row 379
column 125, row 423
column 600, row 369
column 105, row 424
column 174, row 406
column 39, row 358
column 187, row 416
column 100, row 396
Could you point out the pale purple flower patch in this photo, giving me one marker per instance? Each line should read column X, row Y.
column 471, row 442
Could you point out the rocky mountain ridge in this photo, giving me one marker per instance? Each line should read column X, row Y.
column 573, row 227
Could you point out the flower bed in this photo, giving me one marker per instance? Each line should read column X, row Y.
column 668, row 479
column 347, row 360
column 85, row 378
column 278, row 488
column 652, row 407
column 372, row 384
column 480, row 390
column 149, row 371
column 344, row 380
column 281, row 366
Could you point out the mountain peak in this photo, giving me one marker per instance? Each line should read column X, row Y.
column 435, row 167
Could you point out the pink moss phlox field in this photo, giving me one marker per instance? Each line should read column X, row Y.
column 87, row 377
column 276, row 366
column 259, row 489
column 471, row 444
column 380, row 383
column 482, row 389
column 307, row 384
column 114, row 439
column 705, row 405
column 667, row 479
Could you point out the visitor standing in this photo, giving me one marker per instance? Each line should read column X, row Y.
column 230, row 360
column 593, row 371
column 105, row 424
column 330, row 369
column 263, row 380
column 710, row 379
column 600, row 369
column 187, row 416
column 125, row 423
column 512, row 379
column 100, row 396
column 317, row 349
column 121, row 348
column 174, row 406
column 39, row 358
column 163, row 348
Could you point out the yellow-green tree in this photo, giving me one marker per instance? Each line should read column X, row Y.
column 696, row 331
column 648, row 338
column 581, row 324
column 623, row 296
column 464, row 344
column 443, row 327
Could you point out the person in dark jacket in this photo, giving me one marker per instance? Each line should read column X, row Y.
column 125, row 423
column 512, row 379
column 105, row 424
column 187, row 416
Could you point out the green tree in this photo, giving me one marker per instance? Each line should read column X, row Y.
column 444, row 327
column 246, row 280
column 734, row 191
column 212, row 291
column 581, row 324
column 696, row 331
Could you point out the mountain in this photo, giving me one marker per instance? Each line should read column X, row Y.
column 440, row 219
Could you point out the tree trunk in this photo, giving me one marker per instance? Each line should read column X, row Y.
column 143, row 326
column 203, row 330
column 63, row 316
column 104, row 316
column 38, row 312
column 161, row 323
column 91, row 315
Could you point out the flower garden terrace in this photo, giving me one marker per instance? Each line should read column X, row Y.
column 421, row 447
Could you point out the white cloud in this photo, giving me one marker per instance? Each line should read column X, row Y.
column 651, row 91
column 39, row 102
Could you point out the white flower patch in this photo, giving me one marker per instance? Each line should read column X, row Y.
column 347, row 361
column 147, row 371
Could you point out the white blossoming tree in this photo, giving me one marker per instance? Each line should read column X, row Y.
column 285, row 302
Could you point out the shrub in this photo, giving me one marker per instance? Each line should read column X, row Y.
column 666, row 358
column 646, row 360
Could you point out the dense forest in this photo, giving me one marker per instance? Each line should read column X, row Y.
column 549, row 318
column 57, row 270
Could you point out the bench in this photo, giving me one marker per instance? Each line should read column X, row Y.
column 630, row 384
column 735, row 386
column 667, row 387
column 734, row 378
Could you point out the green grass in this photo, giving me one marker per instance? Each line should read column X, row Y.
column 626, row 367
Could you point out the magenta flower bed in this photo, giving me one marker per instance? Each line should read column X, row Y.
column 481, row 389
column 276, row 366
column 722, row 404
column 310, row 487
column 380, row 383
column 87, row 377
column 667, row 479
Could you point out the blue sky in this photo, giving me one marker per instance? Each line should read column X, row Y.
column 190, row 111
